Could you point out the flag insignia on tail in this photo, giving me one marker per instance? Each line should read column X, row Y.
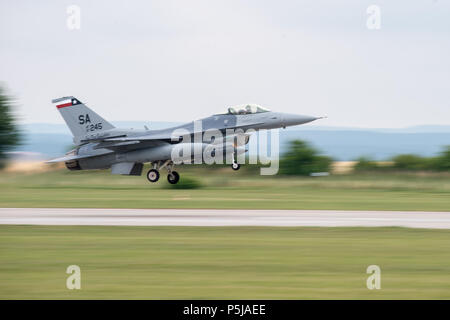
column 68, row 103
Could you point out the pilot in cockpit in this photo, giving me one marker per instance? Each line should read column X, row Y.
column 247, row 109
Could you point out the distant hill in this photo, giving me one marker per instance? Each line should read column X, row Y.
column 349, row 145
column 52, row 140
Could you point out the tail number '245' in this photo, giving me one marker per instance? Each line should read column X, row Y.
column 93, row 127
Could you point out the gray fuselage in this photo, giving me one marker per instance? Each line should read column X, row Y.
column 113, row 147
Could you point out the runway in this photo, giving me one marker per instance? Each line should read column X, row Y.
column 207, row 217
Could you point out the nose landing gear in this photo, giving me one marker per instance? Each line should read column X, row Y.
column 235, row 166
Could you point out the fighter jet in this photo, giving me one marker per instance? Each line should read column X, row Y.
column 100, row 145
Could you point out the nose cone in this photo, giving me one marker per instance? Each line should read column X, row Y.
column 296, row 119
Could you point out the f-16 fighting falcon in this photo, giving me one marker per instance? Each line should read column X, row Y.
column 100, row 145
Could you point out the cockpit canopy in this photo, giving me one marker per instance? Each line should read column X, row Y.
column 246, row 109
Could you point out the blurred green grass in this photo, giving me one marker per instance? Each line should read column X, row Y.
column 227, row 189
column 223, row 262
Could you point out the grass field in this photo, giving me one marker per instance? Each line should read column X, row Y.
column 224, row 188
column 223, row 262
column 215, row 263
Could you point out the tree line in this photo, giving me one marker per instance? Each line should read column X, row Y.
column 302, row 159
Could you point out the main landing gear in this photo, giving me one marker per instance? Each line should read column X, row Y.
column 173, row 177
column 153, row 174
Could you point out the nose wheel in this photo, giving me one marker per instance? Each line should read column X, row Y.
column 235, row 166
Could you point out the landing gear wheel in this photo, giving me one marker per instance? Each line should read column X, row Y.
column 235, row 166
column 153, row 175
column 173, row 177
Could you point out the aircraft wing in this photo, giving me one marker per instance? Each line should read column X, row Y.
column 113, row 145
column 155, row 137
column 159, row 137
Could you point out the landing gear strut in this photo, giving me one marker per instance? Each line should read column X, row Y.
column 173, row 177
column 235, row 166
column 153, row 174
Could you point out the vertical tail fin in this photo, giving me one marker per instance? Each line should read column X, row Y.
column 79, row 118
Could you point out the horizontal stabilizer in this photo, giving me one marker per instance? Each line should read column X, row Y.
column 74, row 157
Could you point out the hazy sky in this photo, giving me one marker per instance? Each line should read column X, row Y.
column 183, row 60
